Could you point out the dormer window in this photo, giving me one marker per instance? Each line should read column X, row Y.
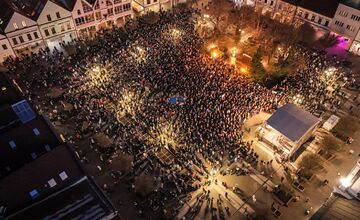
column 15, row 26
column 12, row 144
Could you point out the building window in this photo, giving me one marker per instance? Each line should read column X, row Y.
column 327, row 23
column 355, row 17
column 53, row 31
column 29, row 37
column 62, row 28
column 117, row 1
column 36, row 35
column 68, row 26
column 12, row 144
column 98, row 15
column 110, row 11
column 108, row 3
column 21, row 39
column 33, row 155
column 63, row 175
column 34, row 194
column 313, row 18
column 48, row 17
column 127, row 7
column 47, row 147
column 118, row 9
column 78, row 12
column 58, row 15
column 46, row 32
column 4, row 47
column 155, row 1
column 36, row 132
column 52, row 182
column 148, row 2
column 14, row 41
column 23, row 23
column 338, row 23
column 15, row 26
column 319, row 21
column 271, row 3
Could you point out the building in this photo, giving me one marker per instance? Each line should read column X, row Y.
column 45, row 189
column 21, row 31
column 285, row 11
column 5, row 47
column 338, row 207
column 288, row 128
column 350, row 185
column 347, row 24
column 318, row 13
column 33, row 184
column 55, row 23
column 91, row 16
column 266, row 6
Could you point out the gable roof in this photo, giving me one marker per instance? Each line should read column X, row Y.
column 15, row 188
column 81, row 200
column 6, row 13
column 67, row 4
column 291, row 121
column 26, row 144
column 30, row 8
column 91, row 2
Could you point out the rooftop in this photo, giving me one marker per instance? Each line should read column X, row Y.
column 39, row 179
column 338, row 207
column 81, row 200
column 351, row 3
column 323, row 7
column 25, row 143
column 291, row 121
column 8, row 93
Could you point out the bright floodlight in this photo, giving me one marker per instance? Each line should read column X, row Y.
column 345, row 182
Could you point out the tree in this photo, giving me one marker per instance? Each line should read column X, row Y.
column 306, row 33
column 311, row 162
column 331, row 144
column 218, row 9
column 257, row 68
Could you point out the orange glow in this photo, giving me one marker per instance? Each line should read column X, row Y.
column 243, row 70
column 233, row 60
column 214, row 54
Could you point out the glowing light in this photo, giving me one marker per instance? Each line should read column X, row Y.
column 206, row 16
column 243, row 70
column 233, row 60
column 345, row 182
column 211, row 46
column 214, row 54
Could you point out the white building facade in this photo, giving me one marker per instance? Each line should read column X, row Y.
column 91, row 16
column 23, row 34
column 266, row 6
column 5, row 48
column 56, row 25
column 347, row 24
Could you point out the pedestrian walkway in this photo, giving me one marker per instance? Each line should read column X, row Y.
column 234, row 200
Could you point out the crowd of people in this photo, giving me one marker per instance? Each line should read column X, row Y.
column 120, row 83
